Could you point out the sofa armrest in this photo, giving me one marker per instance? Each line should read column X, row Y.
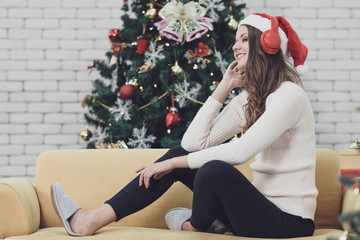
column 19, row 208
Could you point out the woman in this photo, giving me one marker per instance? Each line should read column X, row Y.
column 277, row 125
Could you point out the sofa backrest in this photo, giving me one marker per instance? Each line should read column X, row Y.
column 91, row 177
column 329, row 199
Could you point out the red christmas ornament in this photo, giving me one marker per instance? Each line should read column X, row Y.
column 173, row 117
column 117, row 47
column 114, row 35
column 142, row 45
column 127, row 91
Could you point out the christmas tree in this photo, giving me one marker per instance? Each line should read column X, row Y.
column 350, row 217
column 161, row 66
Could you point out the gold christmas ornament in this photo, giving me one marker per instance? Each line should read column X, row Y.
column 151, row 13
column 176, row 69
column 86, row 135
column 232, row 24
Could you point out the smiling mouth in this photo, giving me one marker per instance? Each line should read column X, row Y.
column 239, row 55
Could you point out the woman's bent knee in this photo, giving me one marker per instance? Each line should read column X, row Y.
column 215, row 167
column 212, row 171
column 218, row 172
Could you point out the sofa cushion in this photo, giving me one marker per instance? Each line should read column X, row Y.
column 91, row 177
column 136, row 233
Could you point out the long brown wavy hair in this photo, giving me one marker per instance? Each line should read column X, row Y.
column 264, row 74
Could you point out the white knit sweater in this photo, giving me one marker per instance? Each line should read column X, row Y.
column 282, row 141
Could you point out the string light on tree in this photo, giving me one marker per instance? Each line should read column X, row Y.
column 230, row 97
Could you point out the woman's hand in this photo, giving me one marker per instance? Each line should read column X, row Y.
column 159, row 169
column 234, row 75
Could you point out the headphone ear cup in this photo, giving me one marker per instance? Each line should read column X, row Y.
column 270, row 40
column 270, row 43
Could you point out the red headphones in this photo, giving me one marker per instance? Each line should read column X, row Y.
column 270, row 40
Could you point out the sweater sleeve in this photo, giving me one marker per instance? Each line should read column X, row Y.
column 209, row 129
column 283, row 109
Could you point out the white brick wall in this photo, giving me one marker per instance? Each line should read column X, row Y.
column 45, row 47
column 331, row 30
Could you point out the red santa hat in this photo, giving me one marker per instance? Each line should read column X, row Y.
column 284, row 38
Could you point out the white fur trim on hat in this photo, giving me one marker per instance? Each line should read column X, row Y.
column 302, row 69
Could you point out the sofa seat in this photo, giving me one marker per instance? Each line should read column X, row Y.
column 139, row 233
column 92, row 176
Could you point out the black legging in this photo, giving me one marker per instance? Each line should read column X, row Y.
column 220, row 192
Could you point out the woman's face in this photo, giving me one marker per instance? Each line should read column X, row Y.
column 241, row 46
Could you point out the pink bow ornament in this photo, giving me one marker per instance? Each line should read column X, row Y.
column 183, row 21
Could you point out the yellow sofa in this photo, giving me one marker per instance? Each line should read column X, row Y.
column 92, row 176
